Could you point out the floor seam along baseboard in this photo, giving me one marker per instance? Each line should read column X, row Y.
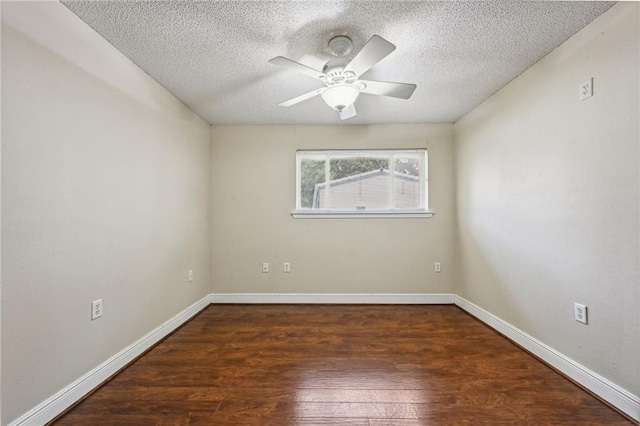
column 65, row 398
column 613, row 394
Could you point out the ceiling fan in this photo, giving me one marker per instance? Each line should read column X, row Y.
column 342, row 77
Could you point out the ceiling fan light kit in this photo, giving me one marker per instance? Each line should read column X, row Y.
column 340, row 96
column 342, row 79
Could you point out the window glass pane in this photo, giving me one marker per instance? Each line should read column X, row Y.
column 407, row 181
column 362, row 181
column 359, row 182
column 312, row 175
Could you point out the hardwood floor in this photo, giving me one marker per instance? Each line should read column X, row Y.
column 339, row 365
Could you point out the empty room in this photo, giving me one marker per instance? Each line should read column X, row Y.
column 320, row 212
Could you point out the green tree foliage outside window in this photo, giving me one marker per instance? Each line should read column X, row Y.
column 311, row 173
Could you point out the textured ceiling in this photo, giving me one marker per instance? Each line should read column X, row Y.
column 213, row 55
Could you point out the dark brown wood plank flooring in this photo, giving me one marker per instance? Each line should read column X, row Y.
column 338, row 364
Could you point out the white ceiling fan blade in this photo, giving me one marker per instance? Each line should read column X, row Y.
column 348, row 112
column 383, row 88
column 373, row 52
column 302, row 97
column 297, row 66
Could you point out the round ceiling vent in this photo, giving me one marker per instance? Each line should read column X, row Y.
column 340, row 46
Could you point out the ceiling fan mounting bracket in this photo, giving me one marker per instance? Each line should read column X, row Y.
column 340, row 46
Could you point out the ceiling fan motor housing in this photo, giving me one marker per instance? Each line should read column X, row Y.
column 335, row 73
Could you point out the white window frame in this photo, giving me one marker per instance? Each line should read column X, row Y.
column 314, row 213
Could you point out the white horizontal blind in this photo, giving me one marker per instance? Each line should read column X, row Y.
column 362, row 181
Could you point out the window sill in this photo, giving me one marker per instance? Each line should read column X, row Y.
column 360, row 215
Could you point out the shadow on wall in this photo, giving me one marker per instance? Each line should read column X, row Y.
column 117, row 72
column 504, row 263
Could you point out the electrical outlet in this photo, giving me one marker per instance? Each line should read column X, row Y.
column 265, row 268
column 586, row 89
column 96, row 309
column 580, row 313
column 437, row 267
column 190, row 276
column 287, row 267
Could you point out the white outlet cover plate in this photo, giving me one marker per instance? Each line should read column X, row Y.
column 586, row 89
column 580, row 313
column 265, row 268
column 96, row 309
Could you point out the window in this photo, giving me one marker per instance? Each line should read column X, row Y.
column 361, row 183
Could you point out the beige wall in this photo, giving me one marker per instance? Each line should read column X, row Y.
column 105, row 194
column 253, row 194
column 108, row 182
column 548, row 196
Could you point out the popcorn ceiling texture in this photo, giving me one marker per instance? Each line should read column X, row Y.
column 213, row 55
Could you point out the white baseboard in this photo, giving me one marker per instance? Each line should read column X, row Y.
column 620, row 398
column 336, row 298
column 56, row 404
